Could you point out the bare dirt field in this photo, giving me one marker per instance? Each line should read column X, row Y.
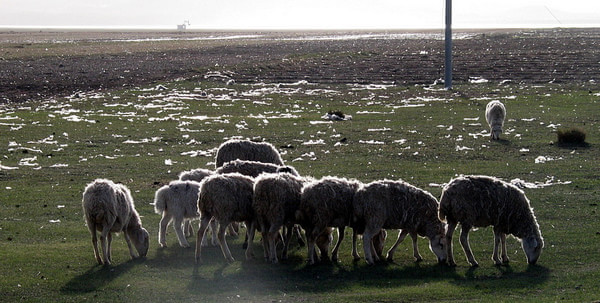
column 42, row 64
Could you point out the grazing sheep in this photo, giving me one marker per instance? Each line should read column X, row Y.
column 327, row 203
column 177, row 202
column 227, row 198
column 276, row 199
column 480, row 201
column 109, row 208
column 253, row 168
column 197, row 174
column 247, row 150
column 398, row 205
column 495, row 112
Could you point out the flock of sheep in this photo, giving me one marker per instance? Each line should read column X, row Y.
column 252, row 185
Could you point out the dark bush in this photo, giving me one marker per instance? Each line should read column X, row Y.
column 573, row 135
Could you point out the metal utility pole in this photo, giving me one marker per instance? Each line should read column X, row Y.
column 448, row 63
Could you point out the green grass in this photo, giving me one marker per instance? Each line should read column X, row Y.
column 412, row 133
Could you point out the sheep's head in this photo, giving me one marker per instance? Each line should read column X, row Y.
column 495, row 133
column 140, row 241
column 437, row 245
column 532, row 246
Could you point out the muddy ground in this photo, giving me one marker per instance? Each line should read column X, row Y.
column 35, row 65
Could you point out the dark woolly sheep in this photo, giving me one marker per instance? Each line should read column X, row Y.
column 109, row 208
column 398, row 205
column 227, row 198
column 327, row 203
column 253, row 168
column 276, row 199
column 247, row 150
column 480, row 201
column 177, row 202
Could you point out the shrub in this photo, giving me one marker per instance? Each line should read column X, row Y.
column 573, row 135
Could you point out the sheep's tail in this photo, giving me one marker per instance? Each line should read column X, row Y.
column 160, row 201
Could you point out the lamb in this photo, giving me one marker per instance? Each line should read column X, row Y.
column 398, row 205
column 480, row 201
column 247, row 150
column 177, row 203
column 327, row 203
column 276, row 199
column 495, row 112
column 227, row 198
column 109, row 208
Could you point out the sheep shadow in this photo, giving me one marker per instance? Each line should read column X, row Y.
column 503, row 276
column 97, row 277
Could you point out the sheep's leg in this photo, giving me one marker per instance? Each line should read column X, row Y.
column 334, row 253
column 323, row 244
column 464, row 241
column 213, row 232
column 223, row 242
column 162, row 233
column 505, row 258
column 250, row 235
column 204, row 222
column 132, row 251
column 416, row 253
column 401, row 235
column 286, row 242
column 354, row 249
column 451, row 228
column 310, row 238
column 178, row 224
column 233, row 229
column 188, row 229
column 104, row 243
column 299, row 235
column 92, row 228
column 271, row 237
column 368, row 246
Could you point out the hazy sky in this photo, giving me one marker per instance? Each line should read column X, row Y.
column 298, row 14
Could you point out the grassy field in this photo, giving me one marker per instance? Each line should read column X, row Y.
column 144, row 137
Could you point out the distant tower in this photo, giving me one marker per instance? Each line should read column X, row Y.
column 182, row 27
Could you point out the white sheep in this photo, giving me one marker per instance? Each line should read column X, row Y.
column 328, row 203
column 109, row 208
column 197, row 174
column 398, row 205
column 227, row 198
column 495, row 112
column 276, row 199
column 480, row 201
column 247, row 150
column 177, row 203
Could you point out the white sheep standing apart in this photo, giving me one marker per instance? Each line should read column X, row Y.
column 398, row 205
column 227, row 198
column 177, row 202
column 276, row 199
column 247, row 150
column 495, row 112
column 480, row 201
column 328, row 203
column 109, row 208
